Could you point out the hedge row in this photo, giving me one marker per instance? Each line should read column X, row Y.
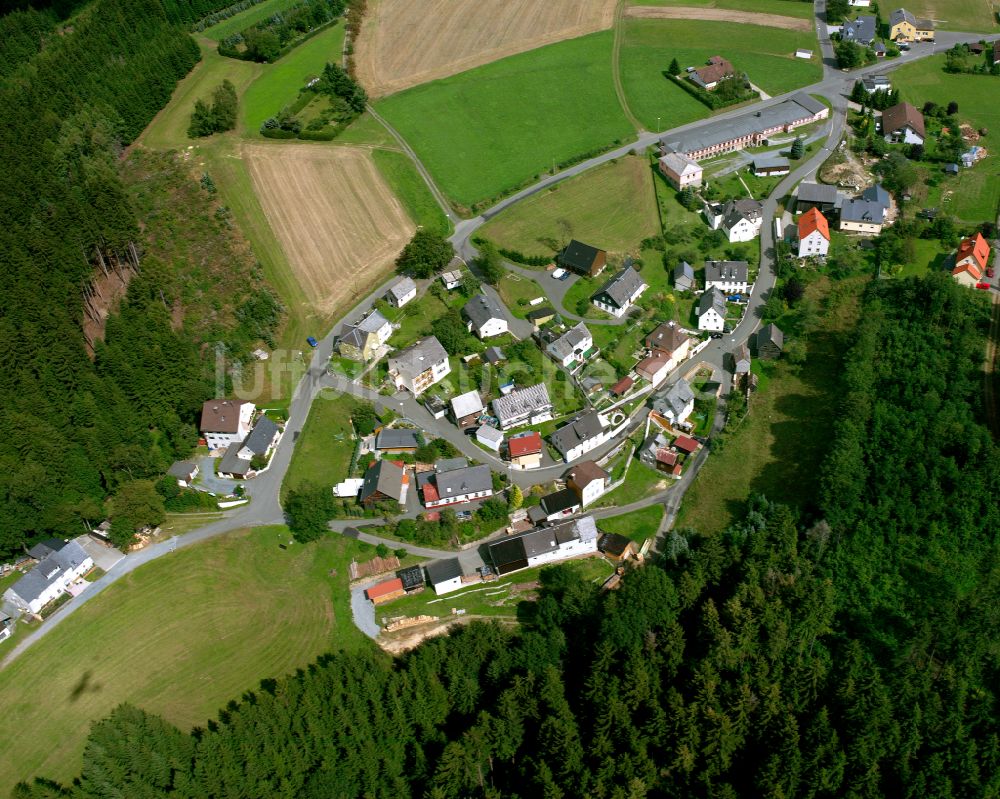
column 711, row 100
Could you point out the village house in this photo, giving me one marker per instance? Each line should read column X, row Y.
column 225, row 422
column 904, row 27
column 770, row 342
column 729, row 277
column 544, row 545
column 401, row 292
column 486, row 316
column 62, row 564
column 655, row 368
column 741, row 360
column 393, row 440
column 751, row 129
column 708, row 77
column 862, row 30
column 971, row 259
column 455, row 486
column 902, row 123
column 555, row 507
column 184, row 472
column 467, row 408
column 676, row 403
column 621, row 387
column 541, row 316
column 589, row 481
column 711, row 311
column 444, row 576
column 385, row 591
column 490, row 437
column 680, row 171
column 656, row 453
column 669, row 340
column 820, row 196
column 529, row 405
column 876, row 83
column 616, row 548
column 618, row 294
column 814, row 234
column 740, row 220
column 583, row 259
column 585, row 433
column 237, row 463
column 525, row 450
column 362, row 340
column 571, row 346
column 684, row 276
column 419, row 366
column 385, row 481
column 451, row 279
column 862, row 216
column 767, row 166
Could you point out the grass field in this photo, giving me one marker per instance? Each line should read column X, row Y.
column 487, row 131
column 974, row 195
column 639, row 483
column 406, row 183
column 765, row 54
column 245, row 19
column 958, row 15
column 781, row 444
column 180, row 637
column 513, row 288
column 404, row 44
column 324, row 448
column 785, row 8
column 637, row 525
column 280, row 82
column 612, row 207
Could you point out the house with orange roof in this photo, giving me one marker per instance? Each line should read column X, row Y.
column 970, row 261
column 814, row 234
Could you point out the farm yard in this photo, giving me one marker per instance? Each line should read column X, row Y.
column 180, row 637
column 404, row 44
column 336, row 218
column 649, row 45
column 487, row 131
column 612, row 207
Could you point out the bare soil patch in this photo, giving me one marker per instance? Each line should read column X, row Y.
column 719, row 15
column 404, row 43
column 336, row 218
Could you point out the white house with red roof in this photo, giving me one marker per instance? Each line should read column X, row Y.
column 814, row 234
column 525, row 450
column 970, row 261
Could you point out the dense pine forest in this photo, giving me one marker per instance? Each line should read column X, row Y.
column 853, row 653
column 76, row 424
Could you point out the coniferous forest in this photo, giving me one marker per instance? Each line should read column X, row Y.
column 76, row 424
column 853, row 653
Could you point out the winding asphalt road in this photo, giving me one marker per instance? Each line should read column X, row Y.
column 265, row 507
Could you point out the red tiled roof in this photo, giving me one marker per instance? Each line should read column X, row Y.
column 622, row 385
column 648, row 367
column 686, row 444
column 976, row 248
column 383, row 588
column 811, row 221
column 431, row 492
column 529, row 444
column 665, row 456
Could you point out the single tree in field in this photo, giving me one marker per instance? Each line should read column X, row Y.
column 426, row 253
column 674, row 68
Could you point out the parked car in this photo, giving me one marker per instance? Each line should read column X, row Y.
column 989, row 271
column 311, row 341
column 716, row 335
column 559, row 274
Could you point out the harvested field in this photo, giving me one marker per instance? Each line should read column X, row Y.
column 719, row 15
column 404, row 43
column 336, row 218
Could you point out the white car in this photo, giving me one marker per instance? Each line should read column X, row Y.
column 558, row 273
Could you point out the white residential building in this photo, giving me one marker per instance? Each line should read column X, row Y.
column 583, row 434
column 225, row 422
column 676, row 403
column 619, row 293
column 571, row 345
column 814, row 234
column 419, row 366
column 444, row 576
column 485, row 315
column 712, row 311
column 729, row 277
column 740, row 220
column 589, row 481
column 401, row 292
column 64, row 563
column 529, row 405
column 544, row 545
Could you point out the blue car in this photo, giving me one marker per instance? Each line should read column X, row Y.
column 311, row 341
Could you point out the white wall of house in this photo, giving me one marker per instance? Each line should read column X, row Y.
column 728, row 286
column 906, row 136
column 399, row 302
column 593, row 491
column 57, row 588
column 620, row 312
column 858, row 227
column 528, row 461
column 814, row 244
column 448, row 586
column 711, row 321
column 425, row 379
column 458, row 499
column 568, row 550
column 684, row 414
column 586, row 446
column 744, row 230
column 493, row 327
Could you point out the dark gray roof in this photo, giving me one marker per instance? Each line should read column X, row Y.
column 418, row 358
column 564, row 346
column 877, row 194
column 560, row 501
column 579, row 256
column 482, row 308
column 675, row 399
column 232, row 463
column 619, row 290
column 450, row 464
column 713, row 298
column 861, row 30
column 770, row 334
column 728, row 271
column 411, row 577
column 182, row 469
column 494, row 355
column 469, row 480
column 545, row 312
column 261, row 436
column 46, row 547
column 583, row 428
column 797, row 107
column 542, row 540
column 817, row 193
column 49, row 569
column 770, row 162
column 862, row 211
column 440, row 571
column 397, row 438
column 682, row 270
column 735, row 210
column 385, row 477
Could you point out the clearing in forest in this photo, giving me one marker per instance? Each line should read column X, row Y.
column 336, row 218
column 404, row 44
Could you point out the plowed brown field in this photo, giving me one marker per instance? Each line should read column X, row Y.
column 337, row 220
column 719, row 15
column 404, row 43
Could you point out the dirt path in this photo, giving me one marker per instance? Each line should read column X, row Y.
column 719, row 15
column 616, row 66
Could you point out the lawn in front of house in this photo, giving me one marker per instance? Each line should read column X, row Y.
column 640, row 482
column 612, row 207
column 324, row 448
column 485, row 132
column 518, row 291
column 637, row 525
column 767, row 55
column 178, row 637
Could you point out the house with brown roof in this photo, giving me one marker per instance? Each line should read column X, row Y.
column 583, row 259
column 616, row 548
column 225, row 422
column 655, row 368
column 902, row 123
column 971, row 260
column 588, row 480
column 668, row 339
column 708, row 77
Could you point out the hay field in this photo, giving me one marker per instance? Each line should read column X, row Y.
column 719, row 15
column 336, row 218
column 404, row 43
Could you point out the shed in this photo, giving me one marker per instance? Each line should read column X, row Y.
column 489, row 437
column 385, row 591
column 444, row 575
column 412, row 578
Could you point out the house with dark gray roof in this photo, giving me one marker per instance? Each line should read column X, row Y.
column 740, row 219
column 684, row 276
column 236, row 463
column 861, row 30
column 45, row 548
column 877, row 194
column 770, row 342
column 397, row 439
column 385, row 481
column 585, row 433
column 571, row 345
column 820, row 196
column 544, row 545
column 184, row 472
column 419, row 366
column 486, row 316
column 444, row 576
column 401, row 292
column 560, row 504
column 727, row 276
column 458, row 485
column 676, row 403
column 361, row 340
column 529, row 405
column 770, row 165
column 618, row 294
column 50, row 578
column 712, row 311
column 862, row 216
column 582, row 259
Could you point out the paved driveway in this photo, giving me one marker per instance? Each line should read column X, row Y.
column 102, row 555
column 209, row 481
